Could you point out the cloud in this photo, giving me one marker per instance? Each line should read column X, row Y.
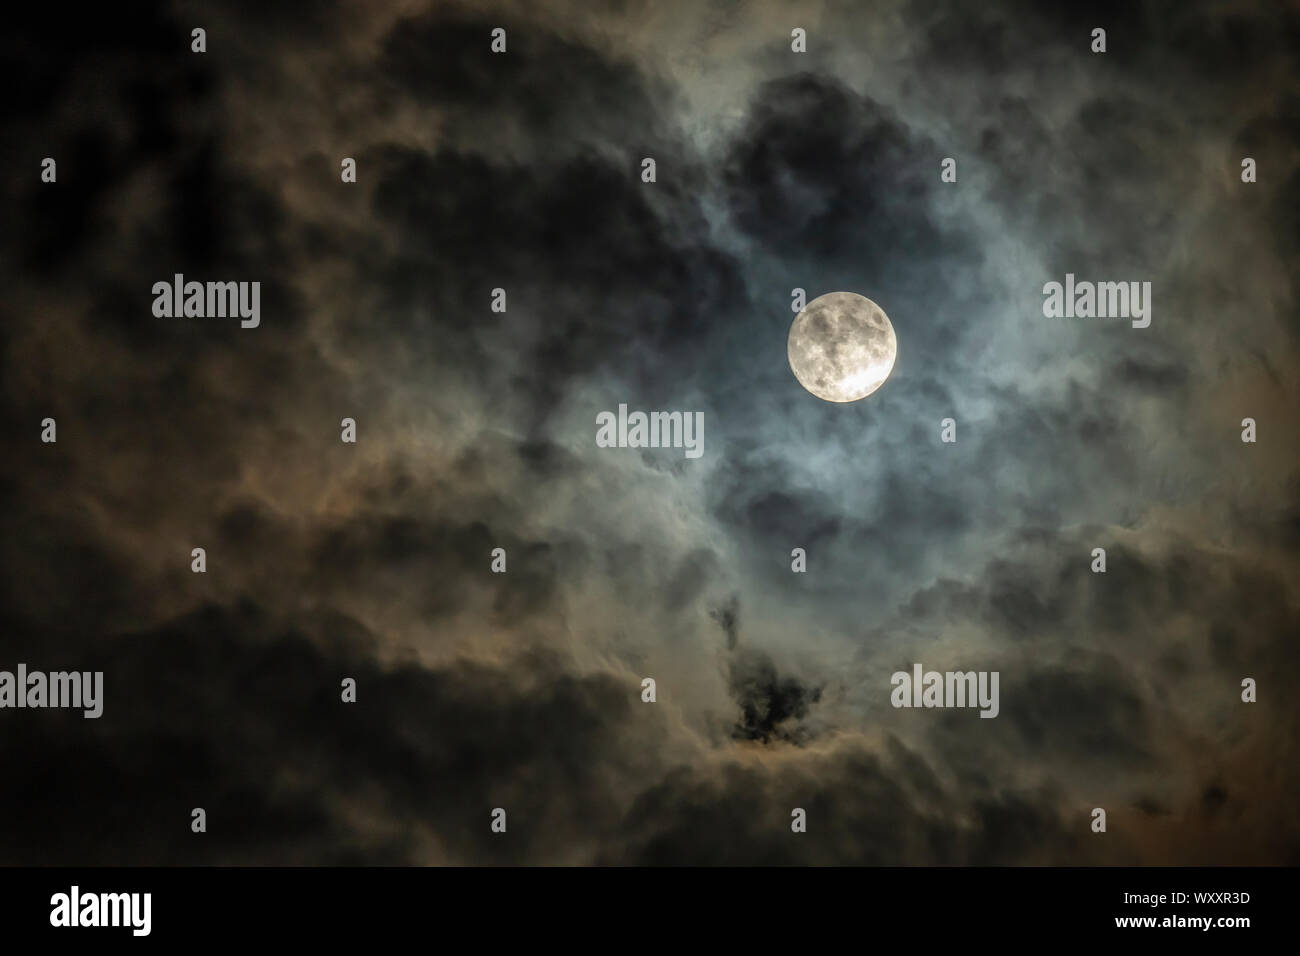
column 522, row 690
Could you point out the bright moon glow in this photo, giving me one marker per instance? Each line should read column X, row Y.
column 842, row 347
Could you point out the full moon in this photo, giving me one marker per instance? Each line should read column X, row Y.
column 842, row 347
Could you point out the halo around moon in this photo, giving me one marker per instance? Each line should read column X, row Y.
column 842, row 347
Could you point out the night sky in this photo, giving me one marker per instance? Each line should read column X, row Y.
column 776, row 170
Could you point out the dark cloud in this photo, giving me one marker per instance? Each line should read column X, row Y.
column 728, row 618
column 552, row 87
column 767, row 700
column 596, row 271
column 821, row 172
column 771, row 705
column 1213, row 799
column 861, row 809
column 1152, row 376
column 244, row 713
